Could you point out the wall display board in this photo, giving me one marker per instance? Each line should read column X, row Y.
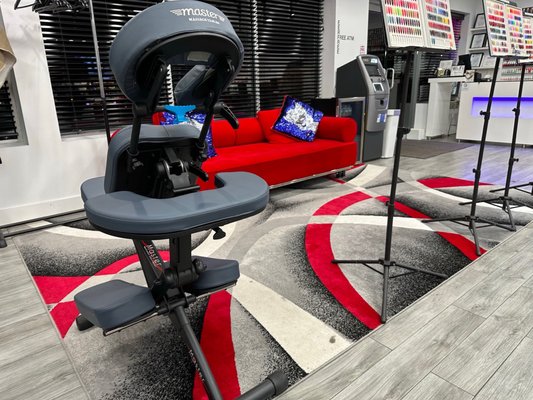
column 403, row 23
column 505, row 29
column 419, row 23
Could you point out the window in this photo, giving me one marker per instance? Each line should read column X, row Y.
column 71, row 60
column 289, row 51
column 281, row 38
column 8, row 127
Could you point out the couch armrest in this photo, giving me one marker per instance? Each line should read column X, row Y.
column 337, row 128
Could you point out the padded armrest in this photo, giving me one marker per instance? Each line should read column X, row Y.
column 129, row 215
column 337, row 128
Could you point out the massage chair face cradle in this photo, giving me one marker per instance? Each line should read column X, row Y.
column 149, row 190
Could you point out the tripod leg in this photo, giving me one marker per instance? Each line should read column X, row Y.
column 473, row 229
column 180, row 320
column 521, row 203
column 507, row 208
column 385, row 301
column 424, row 271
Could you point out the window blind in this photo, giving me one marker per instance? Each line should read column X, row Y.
column 289, row 50
column 8, row 128
column 282, row 41
column 71, row 60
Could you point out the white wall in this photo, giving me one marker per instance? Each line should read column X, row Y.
column 470, row 8
column 43, row 176
column 345, row 37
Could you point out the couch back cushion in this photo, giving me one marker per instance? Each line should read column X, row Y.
column 267, row 119
column 223, row 134
column 249, row 132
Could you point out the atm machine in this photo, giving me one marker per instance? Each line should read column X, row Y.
column 365, row 77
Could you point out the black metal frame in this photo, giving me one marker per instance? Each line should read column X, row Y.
column 167, row 281
column 471, row 221
column 512, row 159
column 506, row 202
column 386, row 262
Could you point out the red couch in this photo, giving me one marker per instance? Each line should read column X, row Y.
column 277, row 158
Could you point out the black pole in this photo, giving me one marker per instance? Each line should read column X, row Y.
column 477, row 171
column 387, row 262
column 100, row 75
column 402, row 131
column 506, row 201
column 180, row 320
column 471, row 220
column 516, row 111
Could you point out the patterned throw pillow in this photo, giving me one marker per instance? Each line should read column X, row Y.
column 195, row 119
column 298, row 119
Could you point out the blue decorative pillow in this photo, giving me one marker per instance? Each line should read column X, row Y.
column 195, row 119
column 298, row 119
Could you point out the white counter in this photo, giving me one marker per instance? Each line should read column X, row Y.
column 438, row 116
column 474, row 99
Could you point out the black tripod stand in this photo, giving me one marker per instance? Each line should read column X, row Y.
column 507, row 202
column 471, row 221
column 386, row 261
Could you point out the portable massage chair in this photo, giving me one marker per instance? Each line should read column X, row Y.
column 149, row 191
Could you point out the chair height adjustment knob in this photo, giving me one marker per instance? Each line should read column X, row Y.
column 199, row 266
column 170, row 278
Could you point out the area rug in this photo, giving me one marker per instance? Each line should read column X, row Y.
column 429, row 148
column 293, row 309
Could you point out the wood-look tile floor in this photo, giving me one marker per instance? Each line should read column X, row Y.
column 33, row 362
column 470, row 338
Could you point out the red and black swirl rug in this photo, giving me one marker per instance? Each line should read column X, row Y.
column 292, row 308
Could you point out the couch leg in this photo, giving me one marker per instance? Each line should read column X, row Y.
column 340, row 174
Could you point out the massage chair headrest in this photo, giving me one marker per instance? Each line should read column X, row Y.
column 184, row 32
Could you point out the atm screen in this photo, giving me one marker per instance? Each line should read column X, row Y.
column 378, row 87
column 372, row 69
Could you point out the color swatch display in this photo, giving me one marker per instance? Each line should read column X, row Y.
column 439, row 22
column 403, row 23
column 505, row 28
column 528, row 37
column 496, row 27
column 418, row 23
column 515, row 30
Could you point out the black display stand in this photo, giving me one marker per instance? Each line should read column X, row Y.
column 386, row 262
column 471, row 221
column 507, row 202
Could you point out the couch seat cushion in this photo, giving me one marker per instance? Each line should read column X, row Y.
column 280, row 163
